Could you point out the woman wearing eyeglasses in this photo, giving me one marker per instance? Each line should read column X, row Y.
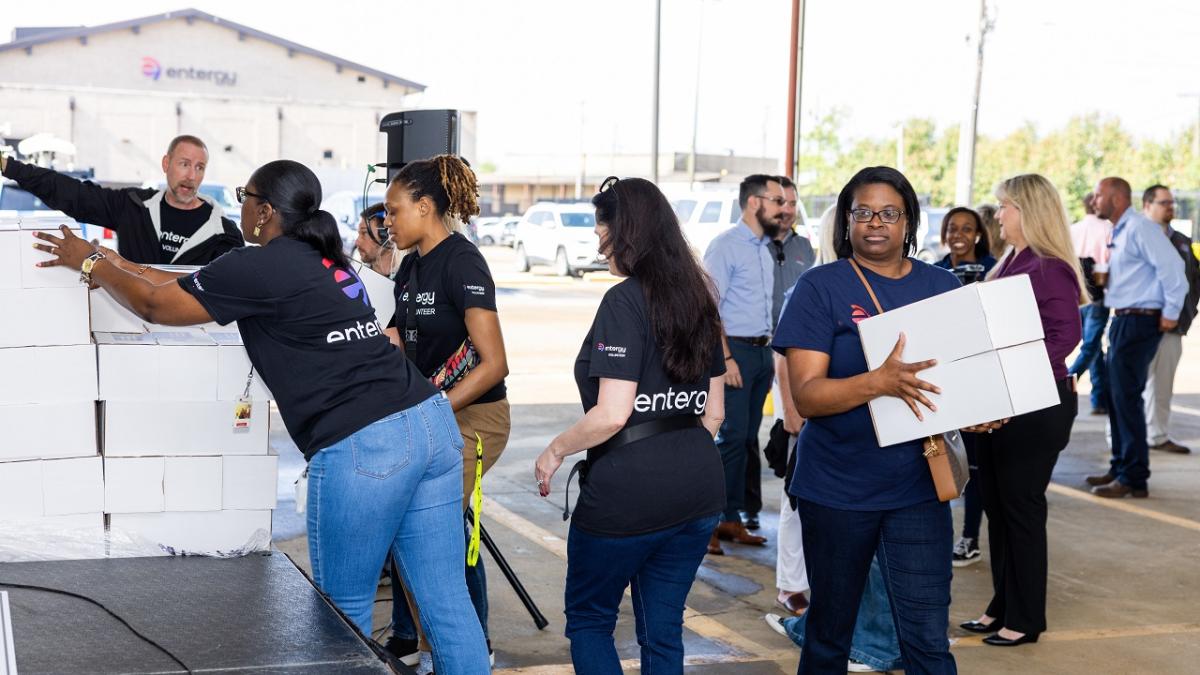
column 857, row 500
column 383, row 450
column 649, row 374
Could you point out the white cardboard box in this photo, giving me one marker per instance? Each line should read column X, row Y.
column 181, row 428
column 74, row 537
column 138, row 367
column 21, row 490
column 47, row 430
column 47, row 374
column 250, row 482
column 108, row 316
column 207, row 532
column 954, row 325
column 134, row 484
column 233, row 365
column 10, row 256
column 992, row 362
column 44, row 317
column 71, row 486
column 193, row 483
column 33, row 276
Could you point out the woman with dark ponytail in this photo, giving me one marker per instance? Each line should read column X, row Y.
column 446, row 322
column 382, row 448
column 652, row 487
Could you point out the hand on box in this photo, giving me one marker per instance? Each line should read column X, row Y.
column 899, row 379
column 986, row 427
column 69, row 251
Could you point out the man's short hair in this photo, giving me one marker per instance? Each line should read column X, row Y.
column 186, row 138
column 1120, row 185
column 1089, row 203
column 753, row 185
column 1152, row 192
column 785, row 182
column 373, row 212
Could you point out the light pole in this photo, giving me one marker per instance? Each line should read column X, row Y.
column 965, row 183
column 657, row 60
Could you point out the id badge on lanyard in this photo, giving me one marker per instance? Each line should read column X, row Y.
column 243, row 408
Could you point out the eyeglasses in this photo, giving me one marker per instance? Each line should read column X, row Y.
column 778, row 201
column 888, row 216
column 608, row 183
column 242, row 193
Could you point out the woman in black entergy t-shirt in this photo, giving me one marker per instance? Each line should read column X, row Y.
column 650, row 379
column 380, row 440
column 447, row 324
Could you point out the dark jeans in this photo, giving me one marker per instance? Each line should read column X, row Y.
column 1015, row 463
column 1132, row 342
column 743, row 417
column 403, row 625
column 659, row 568
column 912, row 546
column 972, row 502
column 1091, row 352
column 753, row 501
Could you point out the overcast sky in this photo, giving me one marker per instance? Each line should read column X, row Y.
column 535, row 69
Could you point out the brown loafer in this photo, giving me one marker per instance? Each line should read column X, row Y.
column 1103, row 479
column 795, row 603
column 736, row 532
column 1172, row 447
column 714, row 546
column 1117, row 490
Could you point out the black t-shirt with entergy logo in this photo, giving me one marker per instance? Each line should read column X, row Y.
column 663, row 480
column 312, row 335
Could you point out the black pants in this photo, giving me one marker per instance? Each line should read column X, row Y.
column 1015, row 463
column 753, row 476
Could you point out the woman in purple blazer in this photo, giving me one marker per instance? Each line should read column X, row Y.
column 1016, row 460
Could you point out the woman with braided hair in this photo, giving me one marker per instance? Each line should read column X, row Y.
column 446, row 323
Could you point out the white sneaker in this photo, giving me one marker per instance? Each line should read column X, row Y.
column 966, row 552
column 776, row 623
column 853, row 666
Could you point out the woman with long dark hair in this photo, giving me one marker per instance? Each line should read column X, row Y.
column 383, row 450
column 859, row 501
column 649, row 374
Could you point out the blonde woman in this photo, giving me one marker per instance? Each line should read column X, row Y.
column 1015, row 462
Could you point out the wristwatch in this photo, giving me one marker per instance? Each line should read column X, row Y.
column 89, row 263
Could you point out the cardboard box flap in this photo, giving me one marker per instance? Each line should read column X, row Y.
column 124, row 338
column 1029, row 377
column 183, row 338
column 946, row 327
column 1011, row 311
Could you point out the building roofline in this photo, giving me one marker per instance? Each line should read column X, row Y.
column 193, row 15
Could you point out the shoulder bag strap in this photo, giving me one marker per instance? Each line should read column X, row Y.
column 863, row 278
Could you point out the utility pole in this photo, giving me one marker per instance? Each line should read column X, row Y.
column 582, row 155
column 657, row 60
column 795, row 90
column 965, row 183
column 696, row 100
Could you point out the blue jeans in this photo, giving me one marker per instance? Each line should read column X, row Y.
column 396, row 486
column 659, row 566
column 875, row 642
column 403, row 625
column 1132, row 341
column 743, row 417
column 1091, row 352
column 913, row 547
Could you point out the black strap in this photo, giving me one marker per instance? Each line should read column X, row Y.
column 410, row 313
column 633, row 434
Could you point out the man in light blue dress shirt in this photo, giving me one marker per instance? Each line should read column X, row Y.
column 742, row 265
column 1146, row 291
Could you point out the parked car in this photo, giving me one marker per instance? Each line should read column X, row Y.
column 562, row 235
column 19, row 205
column 224, row 198
column 497, row 231
column 929, row 235
column 346, row 207
column 704, row 215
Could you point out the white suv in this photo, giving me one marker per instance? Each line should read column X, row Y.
column 705, row 214
column 562, row 235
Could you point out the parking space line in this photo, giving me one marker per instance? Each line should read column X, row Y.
column 636, row 664
column 704, row 626
column 1098, row 634
column 1124, row 505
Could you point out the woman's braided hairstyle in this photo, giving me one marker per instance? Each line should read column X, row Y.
column 448, row 181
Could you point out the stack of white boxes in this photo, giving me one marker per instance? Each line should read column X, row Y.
column 132, row 436
column 51, row 477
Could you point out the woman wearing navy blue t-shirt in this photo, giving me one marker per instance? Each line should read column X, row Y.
column 856, row 499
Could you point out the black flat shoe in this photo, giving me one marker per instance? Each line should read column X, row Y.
column 997, row 641
column 978, row 627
